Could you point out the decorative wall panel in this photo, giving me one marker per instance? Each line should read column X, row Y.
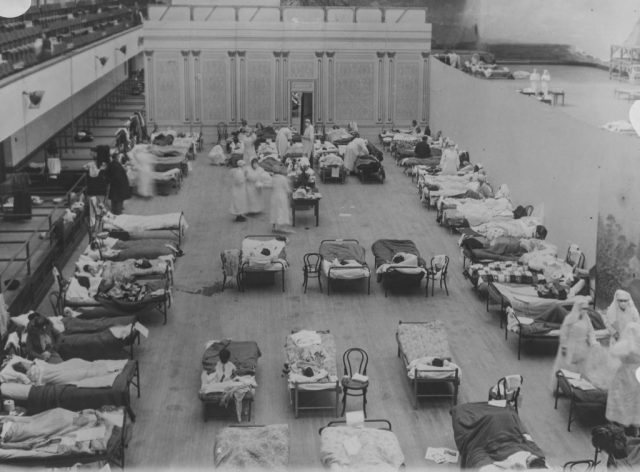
column 408, row 91
column 260, row 90
column 301, row 69
column 215, row 92
column 168, row 88
column 355, row 85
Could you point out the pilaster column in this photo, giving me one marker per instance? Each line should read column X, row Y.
column 392, row 85
column 286, row 99
column 331, row 92
column 381, row 101
column 149, row 79
column 197, row 83
column 278, row 87
column 232, row 86
column 425, row 87
column 187, row 85
column 319, row 95
column 242, row 81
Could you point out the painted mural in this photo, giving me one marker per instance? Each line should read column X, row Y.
column 618, row 256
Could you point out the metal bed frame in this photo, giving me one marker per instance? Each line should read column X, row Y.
column 245, row 268
column 295, row 391
column 419, row 380
column 338, row 269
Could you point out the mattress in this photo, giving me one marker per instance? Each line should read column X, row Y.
column 385, row 249
column 264, row 254
column 139, row 223
column 525, row 301
column 378, row 450
column 320, row 357
column 45, row 397
column 252, row 448
column 41, row 437
column 485, row 434
column 343, row 260
column 418, row 340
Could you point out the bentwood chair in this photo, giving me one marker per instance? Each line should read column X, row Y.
column 311, row 269
column 437, row 271
column 355, row 361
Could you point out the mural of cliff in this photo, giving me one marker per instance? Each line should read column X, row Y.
column 453, row 21
column 618, row 241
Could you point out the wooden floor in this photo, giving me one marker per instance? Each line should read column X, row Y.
column 170, row 432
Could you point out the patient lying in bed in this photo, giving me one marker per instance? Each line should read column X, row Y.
column 72, row 372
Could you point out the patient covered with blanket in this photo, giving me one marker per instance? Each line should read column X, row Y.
column 78, row 372
column 263, row 254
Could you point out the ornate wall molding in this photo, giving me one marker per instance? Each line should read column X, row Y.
column 425, row 87
column 283, row 86
column 319, row 98
column 392, row 84
column 149, row 82
column 186, row 100
column 242, row 81
column 381, row 86
column 331, row 92
column 278, row 90
column 197, row 86
column 232, row 86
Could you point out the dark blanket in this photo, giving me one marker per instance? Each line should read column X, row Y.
column 46, row 397
column 485, row 434
column 384, row 250
column 244, row 355
column 142, row 249
column 78, row 325
column 93, row 346
column 367, row 164
column 487, row 255
column 553, row 318
column 344, row 250
column 273, row 166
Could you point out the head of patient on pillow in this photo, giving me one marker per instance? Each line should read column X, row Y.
column 536, row 462
column 397, row 259
column 225, row 355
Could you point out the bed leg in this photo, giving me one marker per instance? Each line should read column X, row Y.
column 138, row 378
column 571, row 406
column 415, row 394
column 557, row 392
column 519, row 344
column 295, row 402
column 369, row 285
column 282, row 279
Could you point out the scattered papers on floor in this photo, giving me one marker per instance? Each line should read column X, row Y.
column 441, row 455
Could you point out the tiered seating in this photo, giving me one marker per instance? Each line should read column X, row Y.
column 74, row 25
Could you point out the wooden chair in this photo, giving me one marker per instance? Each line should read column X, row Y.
column 312, row 269
column 437, row 271
column 507, row 388
column 355, row 361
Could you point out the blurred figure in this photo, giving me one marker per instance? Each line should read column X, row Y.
column 280, row 211
column 544, row 82
column 119, row 190
column 308, row 138
column 534, row 80
column 239, row 205
column 254, row 188
column 283, row 139
column 623, row 400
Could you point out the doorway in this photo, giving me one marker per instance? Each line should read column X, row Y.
column 301, row 103
column 301, row 109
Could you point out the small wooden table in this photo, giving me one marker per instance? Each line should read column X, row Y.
column 302, row 204
column 557, row 94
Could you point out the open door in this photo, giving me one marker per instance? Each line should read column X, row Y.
column 301, row 104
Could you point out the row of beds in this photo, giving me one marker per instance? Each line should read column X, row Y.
column 263, row 259
column 71, row 414
column 484, row 433
column 509, row 269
